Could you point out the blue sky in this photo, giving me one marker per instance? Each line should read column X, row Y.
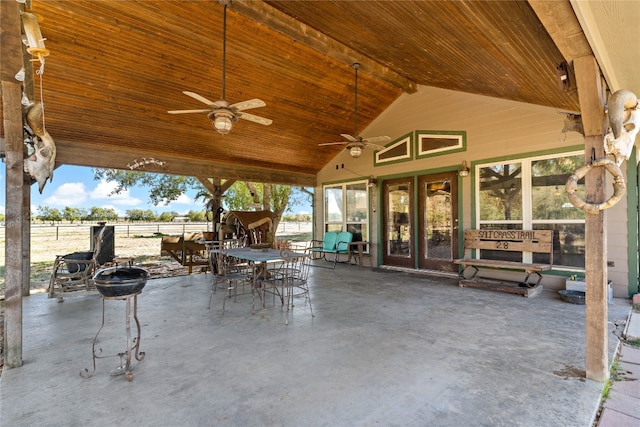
column 74, row 186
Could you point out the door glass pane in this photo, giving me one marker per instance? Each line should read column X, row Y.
column 437, row 219
column 398, row 221
column 501, row 192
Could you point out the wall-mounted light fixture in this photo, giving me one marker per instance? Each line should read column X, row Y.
column 464, row 169
column 372, row 181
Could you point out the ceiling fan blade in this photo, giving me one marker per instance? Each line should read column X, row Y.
column 254, row 118
column 188, row 111
column 201, row 98
column 349, row 137
column 247, row 105
column 374, row 146
column 332, row 143
column 377, row 139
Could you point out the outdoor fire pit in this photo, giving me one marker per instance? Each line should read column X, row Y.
column 120, row 281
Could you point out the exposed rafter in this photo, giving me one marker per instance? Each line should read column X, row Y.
column 285, row 24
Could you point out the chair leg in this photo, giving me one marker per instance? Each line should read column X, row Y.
column 214, row 287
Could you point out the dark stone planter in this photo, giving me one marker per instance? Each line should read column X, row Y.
column 120, row 281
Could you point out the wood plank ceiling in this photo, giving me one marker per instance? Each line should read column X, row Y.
column 116, row 67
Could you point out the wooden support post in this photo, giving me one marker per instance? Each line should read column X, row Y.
column 592, row 101
column 11, row 59
column 26, row 236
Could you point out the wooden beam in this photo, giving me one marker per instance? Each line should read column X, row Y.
column 106, row 157
column 208, row 183
column 26, row 235
column 225, row 186
column 267, row 15
column 560, row 21
column 11, row 60
column 592, row 104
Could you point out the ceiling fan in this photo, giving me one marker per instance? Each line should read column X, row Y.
column 355, row 144
column 223, row 114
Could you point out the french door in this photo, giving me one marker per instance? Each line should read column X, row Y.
column 425, row 237
column 398, row 242
column 438, row 221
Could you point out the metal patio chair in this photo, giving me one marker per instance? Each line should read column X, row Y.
column 74, row 272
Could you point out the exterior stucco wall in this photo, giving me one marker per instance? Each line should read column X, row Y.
column 495, row 128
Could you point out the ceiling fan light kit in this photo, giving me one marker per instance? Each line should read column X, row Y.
column 222, row 122
column 222, row 114
column 355, row 151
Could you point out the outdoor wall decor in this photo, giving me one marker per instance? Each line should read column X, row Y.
column 140, row 164
column 619, row 186
column 41, row 148
column 624, row 120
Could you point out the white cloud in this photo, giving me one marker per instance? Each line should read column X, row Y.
column 103, row 192
column 182, row 200
column 1, row 209
column 71, row 194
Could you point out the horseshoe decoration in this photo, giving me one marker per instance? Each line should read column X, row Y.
column 619, row 186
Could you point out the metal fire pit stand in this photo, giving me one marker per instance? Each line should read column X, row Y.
column 133, row 344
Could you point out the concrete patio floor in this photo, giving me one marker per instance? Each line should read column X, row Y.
column 384, row 348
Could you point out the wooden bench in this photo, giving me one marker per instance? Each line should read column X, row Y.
column 535, row 241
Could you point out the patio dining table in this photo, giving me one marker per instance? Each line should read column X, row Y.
column 258, row 259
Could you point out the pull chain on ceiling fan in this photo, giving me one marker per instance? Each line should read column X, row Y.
column 355, row 144
column 220, row 112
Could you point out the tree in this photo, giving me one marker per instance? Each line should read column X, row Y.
column 162, row 188
column 197, row 216
column 46, row 214
column 273, row 197
column 102, row 214
column 140, row 215
column 73, row 214
column 167, row 216
column 239, row 196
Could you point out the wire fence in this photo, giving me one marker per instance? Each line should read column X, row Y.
column 62, row 231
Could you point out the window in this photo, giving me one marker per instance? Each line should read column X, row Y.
column 346, row 208
column 400, row 150
column 433, row 143
column 529, row 194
